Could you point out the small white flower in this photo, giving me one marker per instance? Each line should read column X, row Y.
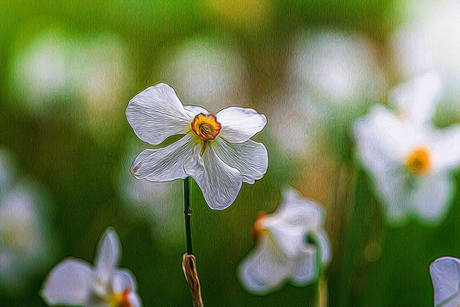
column 75, row 282
column 215, row 150
column 445, row 273
column 408, row 158
column 283, row 252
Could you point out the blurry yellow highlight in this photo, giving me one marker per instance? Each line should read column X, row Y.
column 418, row 161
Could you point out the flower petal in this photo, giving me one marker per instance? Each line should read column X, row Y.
column 68, row 283
column 289, row 238
column 298, row 211
column 381, row 137
column 219, row 182
column 445, row 273
column 164, row 164
column 193, row 111
column 108, row 255
column 417, row 98
column 446, row 148
column 240, row 124
column 305, row 270
column 432, row 197
column 122, row 280
column 264, row 269
column 325, row 246
column 249, row 158
column 156, row 113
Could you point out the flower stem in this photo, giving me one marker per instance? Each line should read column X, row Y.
column 187, row 216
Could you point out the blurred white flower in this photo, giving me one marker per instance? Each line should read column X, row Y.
column 75, row 282
column 101, row 77
column 306, row 122
column 283, row 252
column 25, row 239
column 153, row 201
column 445, row 273
column 209, row 74
column 409, row 160
column 338, row 69
column 216, row 149
column 429, row 39
column 40, row 75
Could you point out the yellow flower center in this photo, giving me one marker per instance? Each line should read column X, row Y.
column 418, row 162
column 120, row 299
column 258, row 228
column 206, row 126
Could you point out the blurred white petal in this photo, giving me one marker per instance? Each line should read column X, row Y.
column 156, row 113
column 265, row 268
column 68, row 283
column 249, row 158
column 304, row 271
column 446, row 148
column 108, row 255
column 164, row 164
column 445, row 273
column 240, row 124
column 219, row 182
column 123, row 280
column 417, row 98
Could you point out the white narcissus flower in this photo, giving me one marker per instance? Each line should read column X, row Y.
column 445, row 273
column 408, row 159
column 215, row 150
column 283, row 252
column 75, row 282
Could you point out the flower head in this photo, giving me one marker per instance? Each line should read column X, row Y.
column 408, row 158
column 283, row 252
column 75, row 282
column 215, row 150
column 445, row 273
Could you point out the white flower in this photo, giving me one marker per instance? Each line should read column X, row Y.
column 75, row 282
column 407, row 157
column 215, row 150
column 338, row 69
column 282, row 251
column 429, row 39
column 445, row 273
column 25, row 237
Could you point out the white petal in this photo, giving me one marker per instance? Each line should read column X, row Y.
column 68, row 283
column 156, row 113
column 416, row 99
column 193, row 111
column 305, row 270
column 446, row 148
column 432, row 197
column 219, row 182
column 240, row 124
column 249, row 158
column 134, row 300
column 295, row 210
column 265, row 268
column 107, row 256
column 445, row 273
column 122, row 280
column 289, row 238
column 392, row 191
column 164, row 164
column 381, row 138
column 325, row 246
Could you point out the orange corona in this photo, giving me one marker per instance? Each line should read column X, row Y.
column 418, row 162
column 206, row 126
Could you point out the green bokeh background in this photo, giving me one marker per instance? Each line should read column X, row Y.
column 80, row 172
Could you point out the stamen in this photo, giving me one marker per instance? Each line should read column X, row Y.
column 418, row 162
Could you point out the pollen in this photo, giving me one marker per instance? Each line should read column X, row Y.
column 258, row 228
column 206, row 126
column 418, row 162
